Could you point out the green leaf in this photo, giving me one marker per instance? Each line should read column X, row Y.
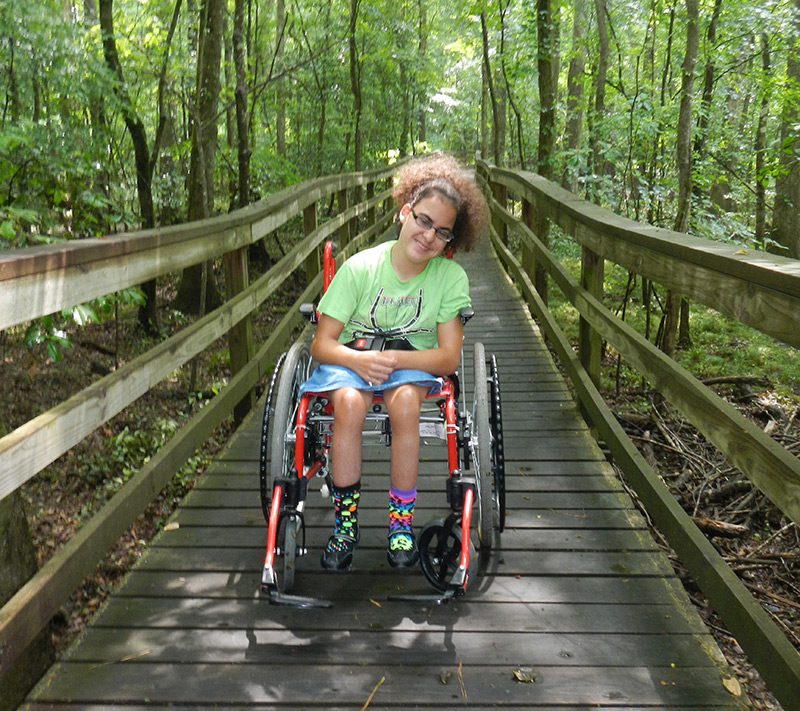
column 7, row 230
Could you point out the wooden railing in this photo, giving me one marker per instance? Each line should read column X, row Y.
column 758, row 289
column 39, row 281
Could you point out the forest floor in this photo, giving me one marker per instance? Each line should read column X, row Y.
column 761, row 545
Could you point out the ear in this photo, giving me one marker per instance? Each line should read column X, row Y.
column 403, row 214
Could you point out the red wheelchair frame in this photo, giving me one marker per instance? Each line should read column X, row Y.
column 295, row 448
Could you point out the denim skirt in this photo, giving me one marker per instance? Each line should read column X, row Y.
column 332, row 377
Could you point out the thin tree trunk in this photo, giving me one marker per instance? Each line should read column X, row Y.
column 240, row 95
column 280, row 89
column 598, row 111
column 547, row 88
column 422, row 98
column 355, row 86
column 574, row 124
column 786, row 214
column 684, row 164
column 203, row 155
column 761, row 146
column 148, row 314
column 517, row 112
column 487, row 68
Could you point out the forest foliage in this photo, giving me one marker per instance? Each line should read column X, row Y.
column 595, row 93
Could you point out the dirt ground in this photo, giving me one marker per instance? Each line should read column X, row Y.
column 760, row 545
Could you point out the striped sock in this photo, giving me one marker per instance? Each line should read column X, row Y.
column 345, row 507
column 401, row 515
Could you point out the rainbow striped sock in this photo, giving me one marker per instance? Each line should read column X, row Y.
column 401, row 516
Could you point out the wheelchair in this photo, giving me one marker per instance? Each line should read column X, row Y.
column 297, row 430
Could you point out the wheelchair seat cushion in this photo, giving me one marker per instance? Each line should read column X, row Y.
column 332, row 377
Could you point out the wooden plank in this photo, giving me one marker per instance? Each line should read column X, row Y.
column 771, row 652
column 773, row 469
column 105, row 645
column 344, row 684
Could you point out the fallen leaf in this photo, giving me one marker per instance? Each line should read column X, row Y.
column 174, row 526
column 741, row 251
column 377, row 604
column 526, row 674
column 444, row 676
column 733, row 686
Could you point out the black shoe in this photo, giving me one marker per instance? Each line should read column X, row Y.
column 402, row 556
column 339, row 561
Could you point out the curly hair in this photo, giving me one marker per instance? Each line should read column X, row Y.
column 442, row 174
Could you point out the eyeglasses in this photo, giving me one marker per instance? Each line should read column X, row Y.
column 425, row 223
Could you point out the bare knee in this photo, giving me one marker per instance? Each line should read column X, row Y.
column 403, row 404
column 350, row 406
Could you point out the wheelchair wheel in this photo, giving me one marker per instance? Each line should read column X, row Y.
column 263, row 464
column 289, row 550
column 482, row 458
column 294, row 372
column 439, row 552
column 498, row 459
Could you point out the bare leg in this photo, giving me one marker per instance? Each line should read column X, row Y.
column 350, row 407
column 403, row 404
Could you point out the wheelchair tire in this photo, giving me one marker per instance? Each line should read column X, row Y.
column 294, row 372
column 482, row 458
column 263, row 463
column 440, row 551
column 289, row 553
column 498, row 457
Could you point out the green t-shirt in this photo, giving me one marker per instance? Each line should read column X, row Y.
column 369, row 299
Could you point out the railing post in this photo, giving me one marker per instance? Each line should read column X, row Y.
column 240, row 337
column 500, row 193
column 540, row 226
column 309, row 225
column 371, row 211
column 590, row 343
column 344, row 230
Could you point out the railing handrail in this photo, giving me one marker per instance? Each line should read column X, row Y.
column 29, row 448
column 759, row 289
column 42, row 280
column 778, row 473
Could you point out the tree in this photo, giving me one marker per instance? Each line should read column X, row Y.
column 575, row 85
column 786, row 215
column 145, row 162
column 684, row 164
column 547, row 87
column 197, row 290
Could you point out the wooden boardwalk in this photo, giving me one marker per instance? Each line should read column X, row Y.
column 577, row 598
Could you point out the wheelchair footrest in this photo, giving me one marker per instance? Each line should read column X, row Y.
column 427, row 598
column 299, row 601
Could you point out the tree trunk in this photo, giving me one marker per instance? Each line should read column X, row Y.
column 487, row 68
column 203, row 155
column 574, row 124
column 280, row 88
column 148, row 314
column 422, row 97
column 786, row 215
column 507, row 85
column 240, row 95
column 684, row 164
column 761, row 146
column 547, row 88
column 598, row 111
column 355, row 86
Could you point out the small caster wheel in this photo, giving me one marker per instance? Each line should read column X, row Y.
column 440, row 551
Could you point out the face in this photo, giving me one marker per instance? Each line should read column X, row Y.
column 419, row 244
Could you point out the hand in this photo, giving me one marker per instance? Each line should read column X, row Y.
column 374, row 366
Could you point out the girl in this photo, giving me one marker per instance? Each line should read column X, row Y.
column 389, row 323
